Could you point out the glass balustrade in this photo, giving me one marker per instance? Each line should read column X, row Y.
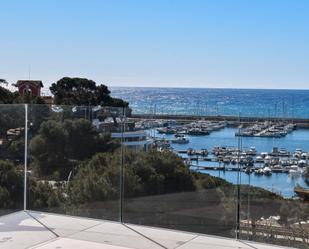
column 235, row 178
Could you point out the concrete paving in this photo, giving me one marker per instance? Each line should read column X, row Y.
column 51, row 231
column 75, row 244
column 19, row 231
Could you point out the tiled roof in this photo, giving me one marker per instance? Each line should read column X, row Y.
column 35, row 82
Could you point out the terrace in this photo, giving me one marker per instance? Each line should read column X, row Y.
column 27, row 229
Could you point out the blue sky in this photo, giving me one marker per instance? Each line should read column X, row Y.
column 169, row 43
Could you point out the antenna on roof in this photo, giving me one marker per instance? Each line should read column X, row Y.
column 29, row 71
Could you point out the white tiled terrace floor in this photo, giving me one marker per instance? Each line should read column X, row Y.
column 50, row 231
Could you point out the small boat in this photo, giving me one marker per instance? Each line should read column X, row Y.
column 190, row 152
column 248, row 170
column 197, row 132
column 283, row 152
column 180, row 140
column 295, row 171
column 267, row 159
column 179, row 134
column 251, row 151
column 264, row 154
column 267, row 171
column 258, row 172
column 302, row 163
column 259, row 159
column 202, row 152
column 275, row 151
column 277, row 168
column 166, row 130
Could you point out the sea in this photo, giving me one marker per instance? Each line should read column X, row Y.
column 206, row 101
column 230, row 102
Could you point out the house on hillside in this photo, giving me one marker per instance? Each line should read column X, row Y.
column 32, row 87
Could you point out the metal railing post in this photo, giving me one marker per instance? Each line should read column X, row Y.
column 26, row 157
column 121, row 186
column 238, row 182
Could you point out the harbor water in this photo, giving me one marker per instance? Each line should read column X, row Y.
column 281, row 183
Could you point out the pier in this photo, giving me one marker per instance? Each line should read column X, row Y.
column 242, row 169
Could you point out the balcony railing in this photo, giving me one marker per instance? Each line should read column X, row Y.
column 209, row 176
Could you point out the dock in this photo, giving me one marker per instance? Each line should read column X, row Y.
column 242, row 169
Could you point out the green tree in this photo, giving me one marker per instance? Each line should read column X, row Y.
column 83, row 92
column 40, row 194
column 83, row 141
column 145, row 173
column 28, row 99
column 14, row 149
column 6, row 97
column 43, row 195
column 97, row 179
column 3, row 81
column 11, row 117
column 59, row 146
column 11, row 186
column 47, row 149
column 160, row 172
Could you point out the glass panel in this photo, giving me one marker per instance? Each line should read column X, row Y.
column 12, row 147
column 276, row 159
column 74, row 160
column 174, row 175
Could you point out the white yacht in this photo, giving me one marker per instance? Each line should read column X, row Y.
column 180, row 140
column 295, row 171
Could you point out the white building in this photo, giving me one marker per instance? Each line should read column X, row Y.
column 136, row 140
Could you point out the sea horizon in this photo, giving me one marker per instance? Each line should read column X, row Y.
column 216, row 88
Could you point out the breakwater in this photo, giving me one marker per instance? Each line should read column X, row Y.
column 231, row 120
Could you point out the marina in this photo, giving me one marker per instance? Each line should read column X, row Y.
column 267, row 129
column 197, row 128
column 275, row 164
